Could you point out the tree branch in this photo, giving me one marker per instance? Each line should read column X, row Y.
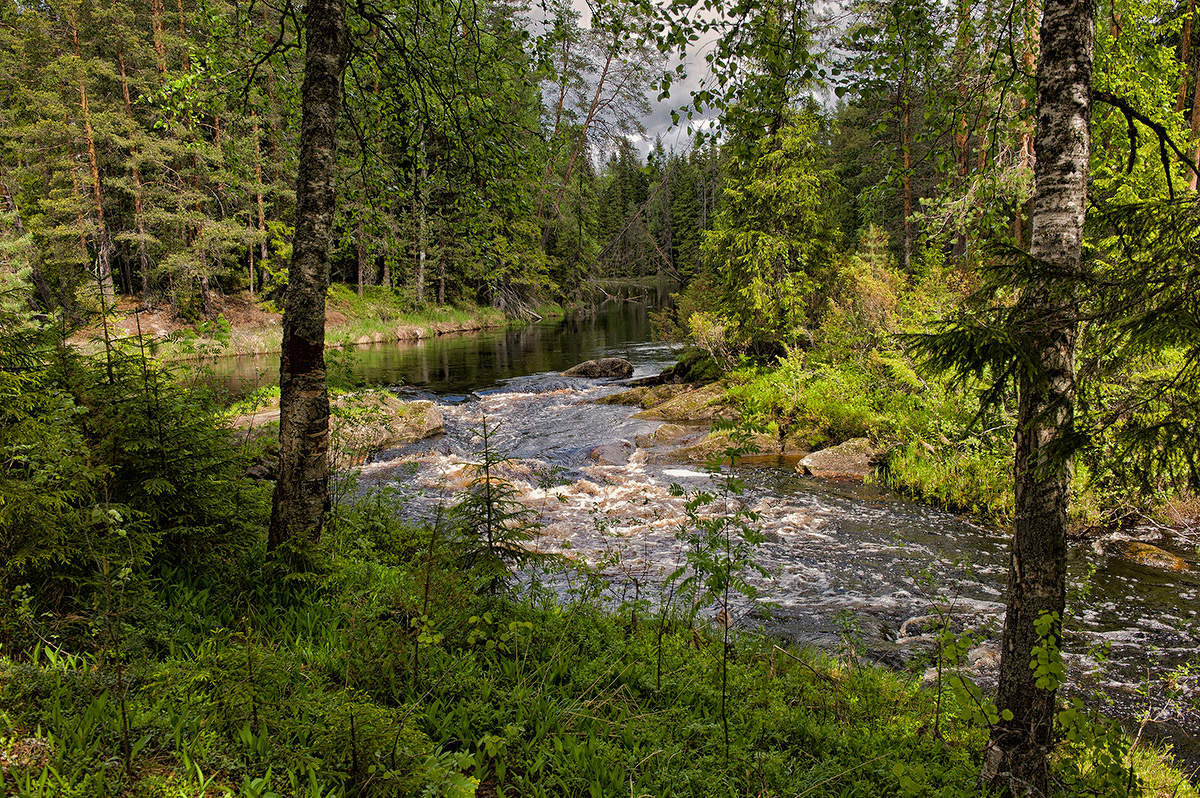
column 1160, row 130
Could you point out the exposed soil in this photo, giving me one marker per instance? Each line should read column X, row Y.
column 241, row 311
column 255, row 328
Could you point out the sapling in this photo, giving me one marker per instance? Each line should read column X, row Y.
column 493, row 522
column 721, row 535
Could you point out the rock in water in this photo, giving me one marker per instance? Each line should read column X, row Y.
column 366, row 423
column 612, row 453
column 605, row 367
column 850, row 459
column 1153, row 556
column 666, row 433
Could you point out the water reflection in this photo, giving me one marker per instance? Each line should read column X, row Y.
column 460, row 363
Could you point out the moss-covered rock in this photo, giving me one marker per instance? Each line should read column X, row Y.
column 694, row 404
column 645, row 396
column 714, row 445
column 667, row 433
column 852, row 460
column 1153, row 556
column 362, row 424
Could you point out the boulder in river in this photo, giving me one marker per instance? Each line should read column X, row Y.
column 851, row 459
column 366, row 423
column 666, row 433
column 601, row 368
column 617, row 453
column 1153, row 556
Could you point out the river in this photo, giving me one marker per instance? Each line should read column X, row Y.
column 843, row 563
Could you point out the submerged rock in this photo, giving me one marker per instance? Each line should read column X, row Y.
column 852, row 459
column 617, row 453
column 605, row 367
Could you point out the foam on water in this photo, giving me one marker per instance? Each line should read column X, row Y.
column 828, row 548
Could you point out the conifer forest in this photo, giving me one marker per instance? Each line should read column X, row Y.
column 599, row 398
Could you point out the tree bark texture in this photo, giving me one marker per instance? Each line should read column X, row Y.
column 1018, row 751
column 1185, row 49
column 302, row 490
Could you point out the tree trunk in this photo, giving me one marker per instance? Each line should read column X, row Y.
column 962, row 134
column 580, row 145
column 1195, row 127
column 258, row 192
column 250, row 270
column 302, row 490
column 418, row 212
column 157, row 12
column 1018, row 751
column 103, row 245
column 76, row 190
column 906, row 148
column 1185, row 50
column 558, row 113
column 139, row 215
column 1026, row 159
column 187, row 62
column 362, row 251
column 36, row 275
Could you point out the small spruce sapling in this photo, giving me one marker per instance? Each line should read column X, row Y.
column 721, row 535
column 494, row 524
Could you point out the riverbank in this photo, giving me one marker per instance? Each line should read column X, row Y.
column 246, row 325
column 172, row 655
column 391, row 671
column 920, row 436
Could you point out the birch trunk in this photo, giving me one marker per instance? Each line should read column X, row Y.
column 302, row 490
column 1018, row 751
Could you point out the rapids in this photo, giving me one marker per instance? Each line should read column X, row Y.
column 842, row 561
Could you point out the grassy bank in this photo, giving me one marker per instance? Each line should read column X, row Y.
column 857, row 374
column 150, row 647
column 243, row 325
column 388, row 672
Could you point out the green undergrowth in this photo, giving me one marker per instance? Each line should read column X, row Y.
column 390, row 671
column 934, row 443
column 149, row 646
column 931, row 446
column 854, row 377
